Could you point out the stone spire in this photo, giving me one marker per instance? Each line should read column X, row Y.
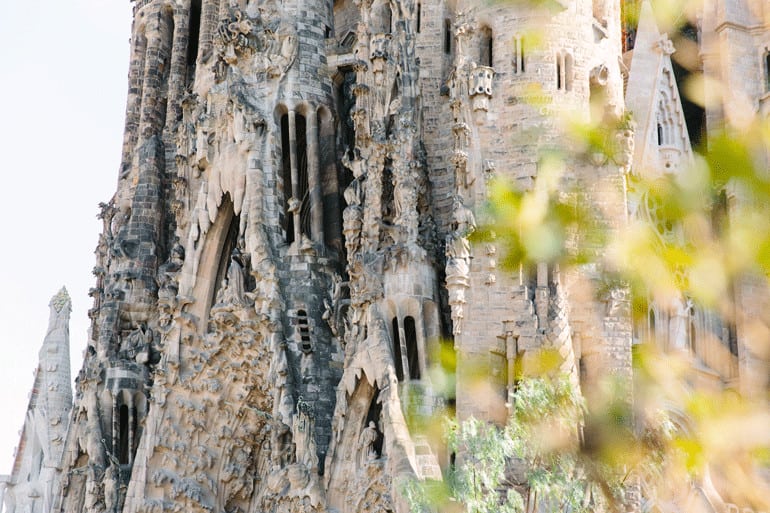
column 33, row 480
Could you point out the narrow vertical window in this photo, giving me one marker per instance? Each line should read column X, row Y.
column 303, row 191
column 288, row 217
column 651, row 323
column 485, row 46
column 195, row 29
column 559, row 78
column 447, row 36
column 767, row 71
column 517, row 59
column 568, row 72
column 691, row 332
column 123, row 435
column 397, row 351
column 412, row 351
column 419, row 17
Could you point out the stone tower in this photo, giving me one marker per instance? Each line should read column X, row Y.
column 33, row 483
column 288, row 247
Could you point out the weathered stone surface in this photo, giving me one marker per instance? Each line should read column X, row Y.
column 289, row 244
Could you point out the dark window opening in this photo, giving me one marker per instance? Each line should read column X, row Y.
column 123, row 435
column 651, row 323
column 288, row 217
column 447, row 37
column 195, row 28
column 397, row 351
column 485, row 47
column 412, row 352
column 419, row 16
column 522, row 60
column 303, row 191
column 558, row 72
column 304, row 332
column 660, row 134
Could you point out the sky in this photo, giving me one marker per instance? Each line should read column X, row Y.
column 63, row 80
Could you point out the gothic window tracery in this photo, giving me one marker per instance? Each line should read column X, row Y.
column 308, row 175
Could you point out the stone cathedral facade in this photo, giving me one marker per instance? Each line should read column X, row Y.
column 288, row 245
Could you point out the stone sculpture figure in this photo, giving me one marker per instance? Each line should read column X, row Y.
column 366, row 442
column 234, row 287
column 458, row 252
column 303, row 435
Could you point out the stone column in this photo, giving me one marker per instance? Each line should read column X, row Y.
column 295, row 205
column 134, row 101
column 159, row 43
column 178, row 71
column 314, row 178
column 115, row 424
column 209, row 18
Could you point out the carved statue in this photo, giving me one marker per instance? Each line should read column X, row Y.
column 269, row 302
column 136, row 345
column 280, row 440
column 111, row 488
column 458, row 254
column 233, row 288
column 366, row 442
column 303, row 435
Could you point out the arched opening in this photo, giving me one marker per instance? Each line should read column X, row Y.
column 397, row 359
column 303, row 191
column 288, row 216
column 660, row 134
column 568, row 72
column 123, row 445
column 412, row 351
column 486, row 43
column 559, row 76
column 231, row 240
column 374, row 415
column 193, row 39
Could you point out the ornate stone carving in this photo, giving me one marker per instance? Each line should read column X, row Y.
column 480, row 87
column 458, row 254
